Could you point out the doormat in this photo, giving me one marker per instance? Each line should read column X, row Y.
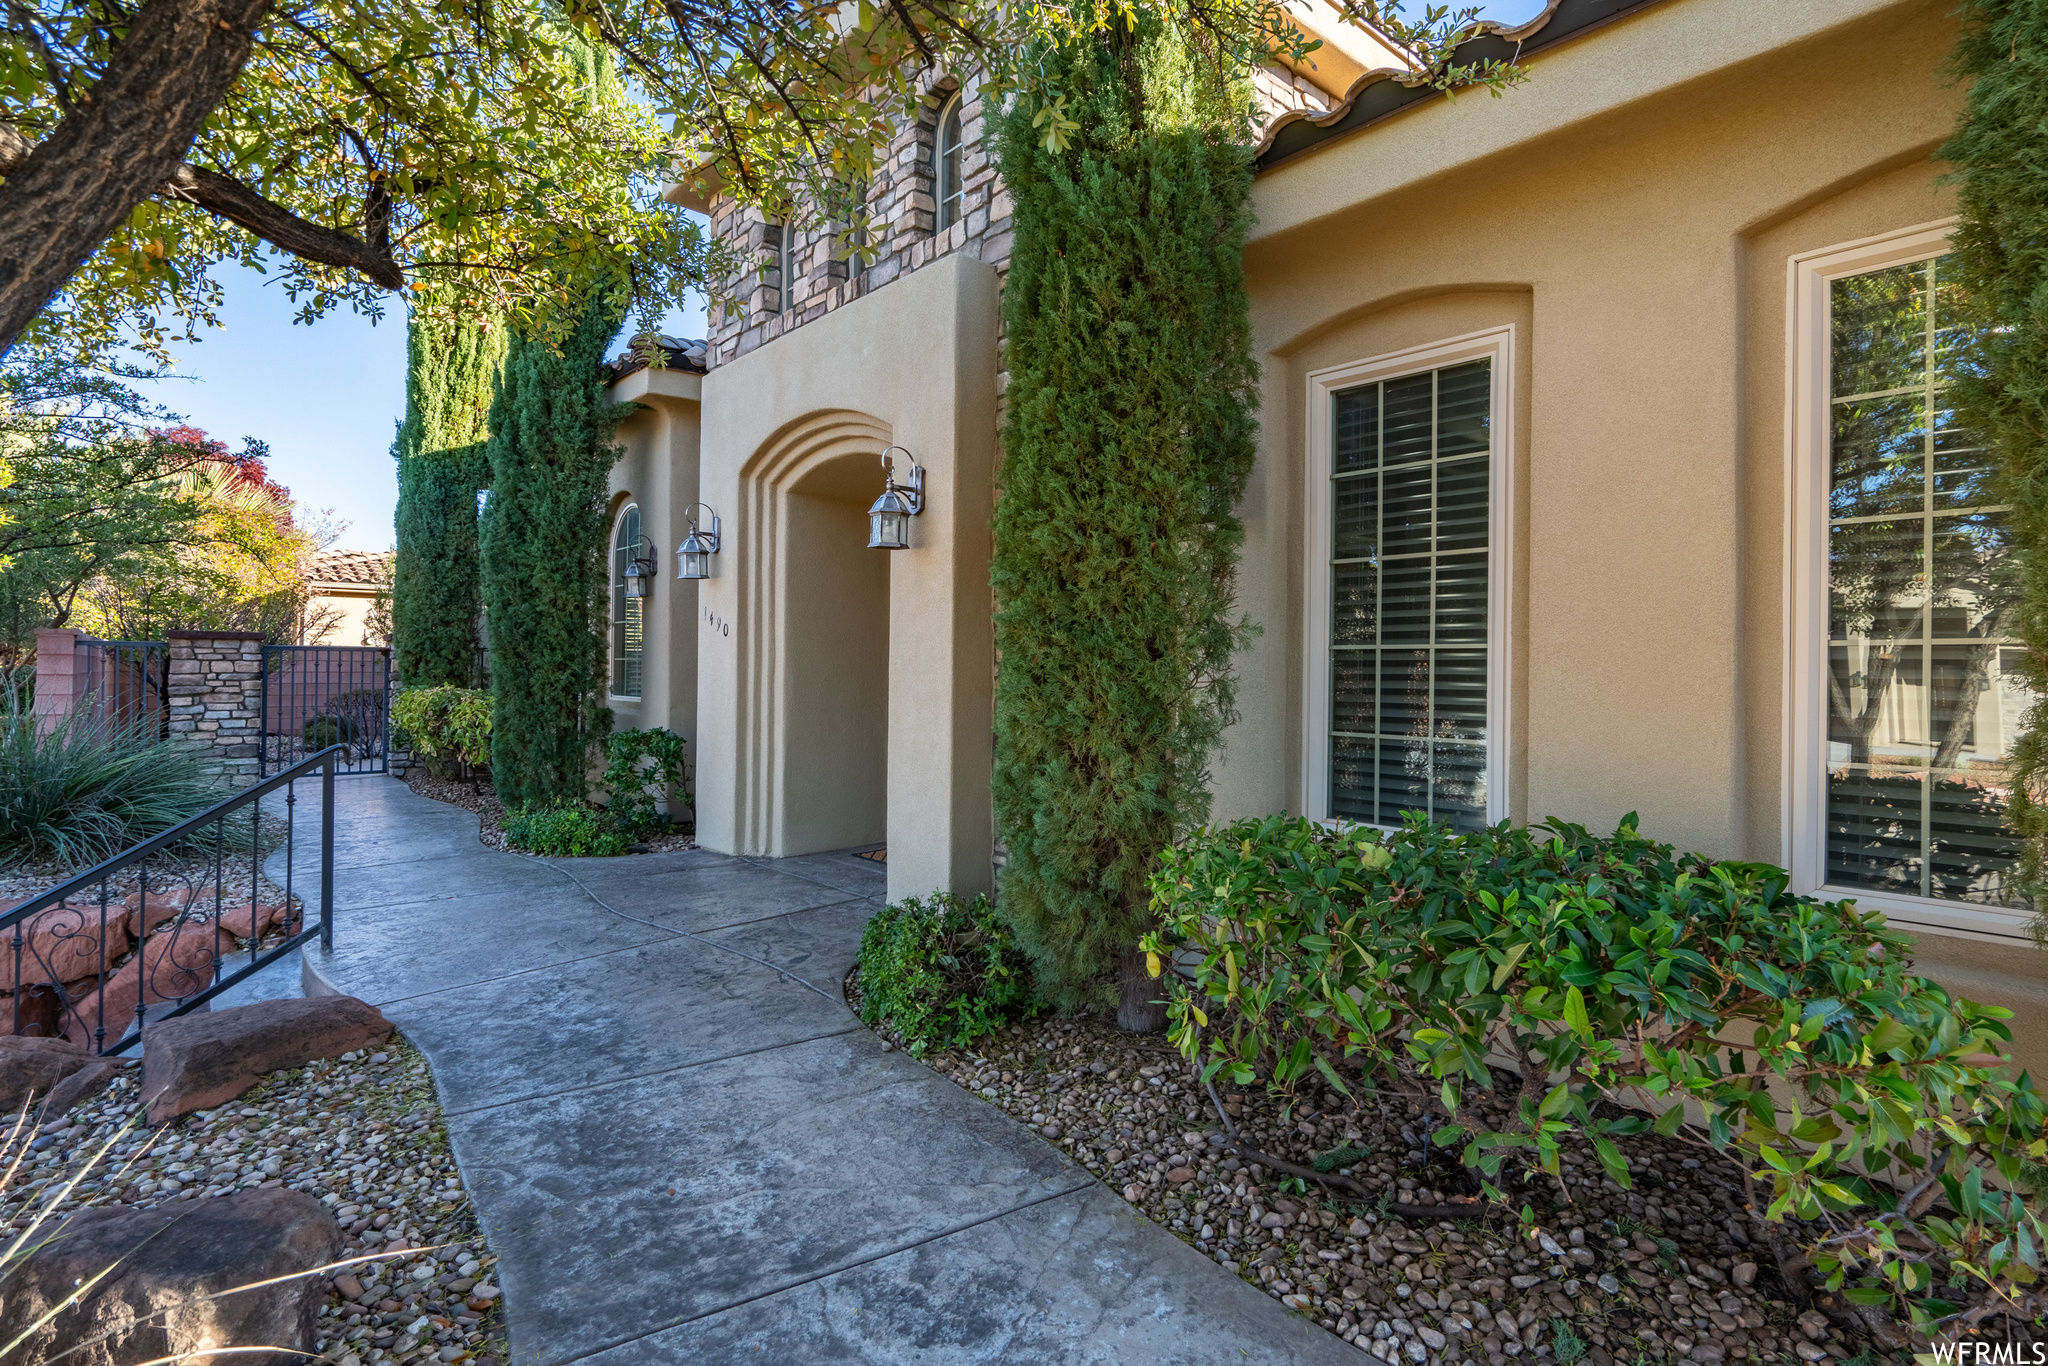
column 878, row 855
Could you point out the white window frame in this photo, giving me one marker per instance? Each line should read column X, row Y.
column 1809, row 318
column 613, row 637
column 1498, row 345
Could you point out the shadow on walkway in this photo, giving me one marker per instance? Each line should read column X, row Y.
column 685, row 1148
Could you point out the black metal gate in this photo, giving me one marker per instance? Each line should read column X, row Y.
column 125, row 682
column 315, row 696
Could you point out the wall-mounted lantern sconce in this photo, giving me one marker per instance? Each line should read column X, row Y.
column 889, row 518
column 693, row 556
column 640, row 575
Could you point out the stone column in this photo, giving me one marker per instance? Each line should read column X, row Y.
column 216, row 700
column 59, row 680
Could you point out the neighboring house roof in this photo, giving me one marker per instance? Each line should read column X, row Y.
column 1380, row 93
column 678, row 353
column 351, row 568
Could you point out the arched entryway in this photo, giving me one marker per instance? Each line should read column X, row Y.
column 816, row 758
column 799, row 620
column 835, row 668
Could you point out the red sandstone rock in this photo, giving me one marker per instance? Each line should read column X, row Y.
column 32, row 1067
column 163, row 906
column 199, row 1061
column 171, row 966
column 168, row 1259
column 87, row 1082
column 238, row 920
column 62, row 944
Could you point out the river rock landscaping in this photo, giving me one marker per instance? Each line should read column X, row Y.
column 1662, row 1273
column 363, row 1134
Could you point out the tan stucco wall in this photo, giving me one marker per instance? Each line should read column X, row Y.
column 351, row 606
column 657, row 470
column 1630, row 213
column 792, row 438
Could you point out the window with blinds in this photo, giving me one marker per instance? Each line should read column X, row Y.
column 1410, row 503
column 626, row 619
column 1925, row 697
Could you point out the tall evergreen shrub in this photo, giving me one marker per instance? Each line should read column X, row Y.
column 2000, row 155
column 451, row 370
column 1127, row 440
column 544, row 567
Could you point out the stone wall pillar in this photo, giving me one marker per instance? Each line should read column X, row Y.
column 216, row 700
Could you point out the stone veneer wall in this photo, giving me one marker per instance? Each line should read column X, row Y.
column 904, row 199
column 216, row 700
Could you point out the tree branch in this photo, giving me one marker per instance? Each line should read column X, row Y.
column 122, row 140
column 229, row 198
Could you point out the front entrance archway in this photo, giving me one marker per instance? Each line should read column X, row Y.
column 814, row 760
column 835, row 671
column 845, row 694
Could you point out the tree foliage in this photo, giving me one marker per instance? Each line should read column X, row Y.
column 1127, row 438
column 117, row 518
column 373, row 147
column 543, row 553
column 2000, row 154
column 452, row 364
column 378, row 147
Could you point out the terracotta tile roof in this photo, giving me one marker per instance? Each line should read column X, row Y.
column 1377, row 94
column 369, row 567
column 682, row 354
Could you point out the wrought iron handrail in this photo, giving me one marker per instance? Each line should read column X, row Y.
column 85, row 945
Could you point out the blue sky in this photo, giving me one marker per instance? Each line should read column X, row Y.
column 326, row 397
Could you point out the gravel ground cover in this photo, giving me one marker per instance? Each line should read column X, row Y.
column 363, row 1134
column 490, row 813
column 1661, row 1273
column 166, row 870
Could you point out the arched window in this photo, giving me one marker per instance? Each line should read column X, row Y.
column 952, row 185
column 785, row 265
column 626, row 619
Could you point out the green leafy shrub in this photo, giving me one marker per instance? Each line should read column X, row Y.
column 565, row 832
column 641, row 768
column 942, row 971
column 1615, row 969
column 446, row 725
column 83, row 792
column 323, row 730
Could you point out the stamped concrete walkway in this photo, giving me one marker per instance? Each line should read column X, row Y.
column 685, row 1148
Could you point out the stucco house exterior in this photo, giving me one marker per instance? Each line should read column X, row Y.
column 1604, row 467
column 342, row 588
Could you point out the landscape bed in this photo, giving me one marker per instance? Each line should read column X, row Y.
column 363, row 1134
column 1665, row 1272
column 490, row 813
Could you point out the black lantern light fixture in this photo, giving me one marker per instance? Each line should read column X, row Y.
column 693, row 556
column 889, row 518
column 639, row 574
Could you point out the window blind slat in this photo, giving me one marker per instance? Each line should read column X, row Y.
column 1411, row 516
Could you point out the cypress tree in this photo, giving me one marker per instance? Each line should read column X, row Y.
column 451, row 368
column 2000, row 154
column 1127, row 439
column 543, row 557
